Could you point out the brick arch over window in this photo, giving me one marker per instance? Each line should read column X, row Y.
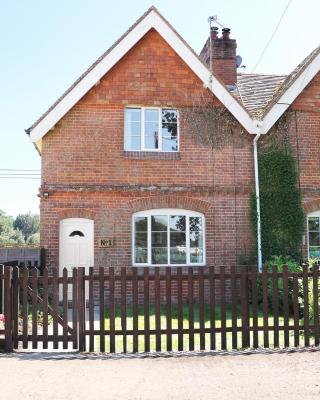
column 183, row 202
column 76, row 213
column 311, row 206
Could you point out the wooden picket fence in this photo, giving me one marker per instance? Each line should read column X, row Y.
column 159, row 309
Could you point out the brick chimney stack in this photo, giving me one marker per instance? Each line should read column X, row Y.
column 223, row 56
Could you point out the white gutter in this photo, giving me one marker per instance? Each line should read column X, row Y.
column 256, row 178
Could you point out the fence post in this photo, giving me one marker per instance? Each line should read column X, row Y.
column 43, row 260
column 244, row 306
column 7, row 310
column 81, row 308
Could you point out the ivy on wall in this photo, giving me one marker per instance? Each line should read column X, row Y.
column 282, row 217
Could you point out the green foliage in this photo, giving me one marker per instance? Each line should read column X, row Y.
column 34, row 239
column 28, row 224
column 282, row 218
column 23, row 229
column 279, row 261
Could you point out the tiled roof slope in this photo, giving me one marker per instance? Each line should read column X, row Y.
column 259, row 92
column 256, row 90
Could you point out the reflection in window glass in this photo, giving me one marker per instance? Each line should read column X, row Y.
column 151, row 129
column 314, row 237
column 178, row 249
column 132, row 129
column 159, row 235
column 141, row 240
column 169, row 130
column 196, row 240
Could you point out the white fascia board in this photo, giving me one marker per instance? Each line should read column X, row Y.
column 290, row 95
column 91, row 78
column 152, row 20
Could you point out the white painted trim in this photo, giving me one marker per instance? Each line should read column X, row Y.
column 289, row 96
column 167, row 212
column 151, row 20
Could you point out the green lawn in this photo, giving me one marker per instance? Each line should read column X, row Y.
column 119, row 339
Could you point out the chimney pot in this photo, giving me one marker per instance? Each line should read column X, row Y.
column 214, row 33
column 226, row 33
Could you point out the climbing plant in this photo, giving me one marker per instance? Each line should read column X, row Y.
column 211, row 123
column 282, row 218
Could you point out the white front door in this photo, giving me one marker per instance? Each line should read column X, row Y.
column 76, row 244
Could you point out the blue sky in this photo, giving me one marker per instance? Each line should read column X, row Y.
column 46, row 45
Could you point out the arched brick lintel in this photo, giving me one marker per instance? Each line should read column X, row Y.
column 76, row 213
column 311, row 206
column 183, row 202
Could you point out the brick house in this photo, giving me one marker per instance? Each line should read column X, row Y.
column 124, row 184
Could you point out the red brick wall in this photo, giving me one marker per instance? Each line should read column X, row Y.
column 86, row 149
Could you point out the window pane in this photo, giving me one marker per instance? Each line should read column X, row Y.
column 177, row 239
column 177, row 223
column 159, row 246
column 159, row 223
column 159, row 239
column 314, row 251
column 169, row 130
column 195, row 226
column 314, row 239
column 141, row 255
column 169, row 143
column 159, row 255
column 169, row 116
column 151, row 142
column 141, row 240
column 133, row 143
column 141, row 224
column 196, row 240
column 313, row 223
column 132, row 129
column 178, row 255
column 151, row 115
column 151, row 135
column 196, row 255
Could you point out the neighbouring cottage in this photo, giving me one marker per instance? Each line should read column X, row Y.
column 124, row 184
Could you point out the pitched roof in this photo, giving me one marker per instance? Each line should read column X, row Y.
column 256, row 90
column 151, row 19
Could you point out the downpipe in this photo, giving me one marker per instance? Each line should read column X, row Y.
column 256, row 178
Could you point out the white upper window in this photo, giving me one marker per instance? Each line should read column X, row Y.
column 314, row 234
column 151, row 129
column 168, row 237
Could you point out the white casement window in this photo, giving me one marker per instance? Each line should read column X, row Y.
column 168, row 237
column 151, row 129
column 314, row 234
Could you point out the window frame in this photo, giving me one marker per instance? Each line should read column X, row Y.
column 311, row 215
column 167, row 212
column 142, row 129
